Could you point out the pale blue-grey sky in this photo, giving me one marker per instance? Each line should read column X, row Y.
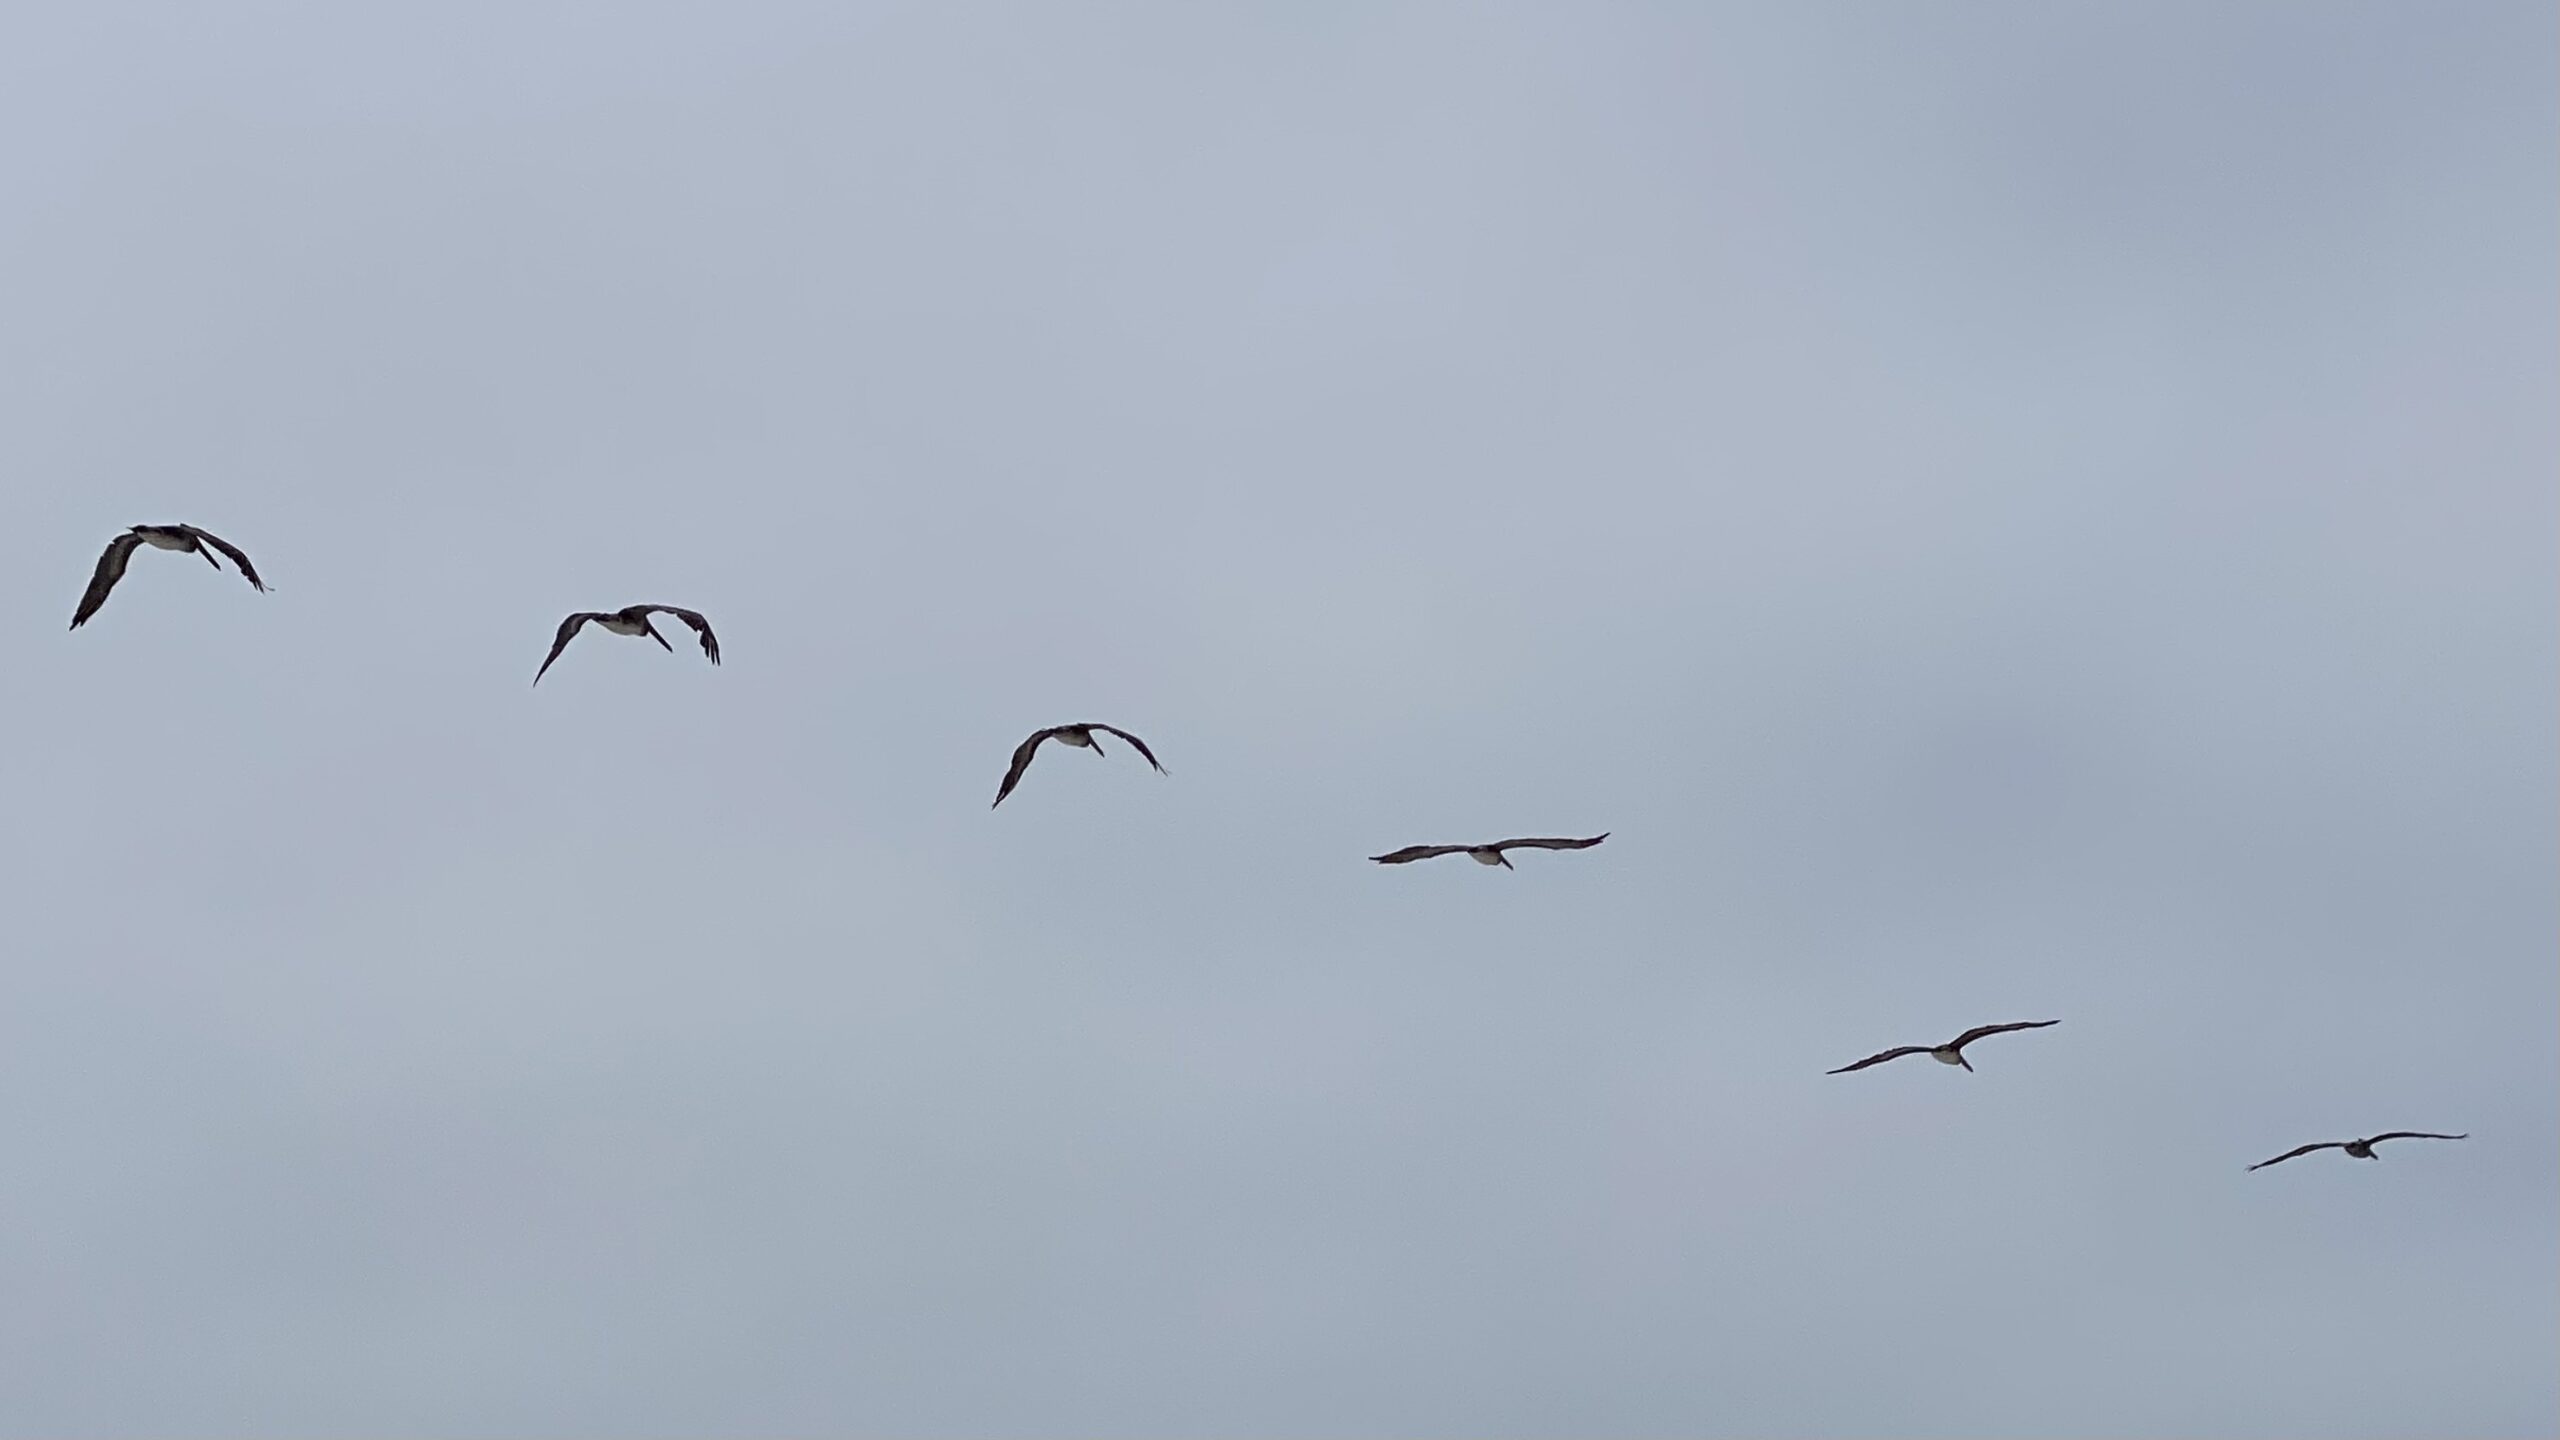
column 2005, row 511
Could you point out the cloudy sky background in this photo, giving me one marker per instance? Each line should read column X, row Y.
column 2004, row 511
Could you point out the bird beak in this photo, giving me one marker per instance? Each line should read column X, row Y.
column 1096, row 742
column 1967, row 1064
column 1504, row 860
column 208, row 557
column 661, row 639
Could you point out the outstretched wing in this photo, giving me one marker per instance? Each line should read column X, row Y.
column 1411, row 853
column 560, row 641
column 2414, row 1135
column 248, row 571
column 701, row 627
column 1022, row 762
column 1896, row 1053
column 2300, row 1150
column 111, row 563
column 1542, row 844
column 1132, row 739
column 1978, row 1031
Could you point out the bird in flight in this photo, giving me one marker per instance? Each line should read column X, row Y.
column 119, row 553
column 1951, row 1053
column 1078, row 735
column 632, row 620
column 2360, row 1149
column 1485, row 854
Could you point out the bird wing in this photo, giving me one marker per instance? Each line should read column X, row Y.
column 1022, row 762
column 560, row 641
column 1881, row 1056
column 1132, row 739
column 248, row 571
column 2300, row 1150
column 701, row 627
column 1550, row 844
column 111, row 563
column 2414, row 1135
column 1978, row 1031
column 1411, row 853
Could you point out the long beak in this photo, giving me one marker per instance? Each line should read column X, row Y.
column 1967, row 1064
column 1503, row 860
column 661, row 639
column 1096, row 742
column 208, row 557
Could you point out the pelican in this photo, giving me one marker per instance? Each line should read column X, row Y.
column 119, row 553
column 1951, row 1053
column 1077, row 735
column 2361, row 1149
column 632, row 620
column 1484, row 854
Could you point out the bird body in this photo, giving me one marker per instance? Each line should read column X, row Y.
column 1486, row 854
column 2358, row 1149
column 1080, row 736
column 631, row 620
column 183, row 538
column 1951, row 1053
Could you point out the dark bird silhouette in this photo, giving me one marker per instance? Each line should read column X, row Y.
column 2360, row 1149
column 1079, row 735
column 119, row 553
column 1485, row 854
column 632, row 620
column 1951, row 1053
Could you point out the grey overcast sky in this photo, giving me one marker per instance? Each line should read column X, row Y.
column 2006, row 511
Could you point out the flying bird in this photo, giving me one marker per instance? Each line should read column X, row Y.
column 1951, row 1053
column 1484, row 854
column 632, row 620
column 1079, row 735
column 2361, row 1149
column 119, row 553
